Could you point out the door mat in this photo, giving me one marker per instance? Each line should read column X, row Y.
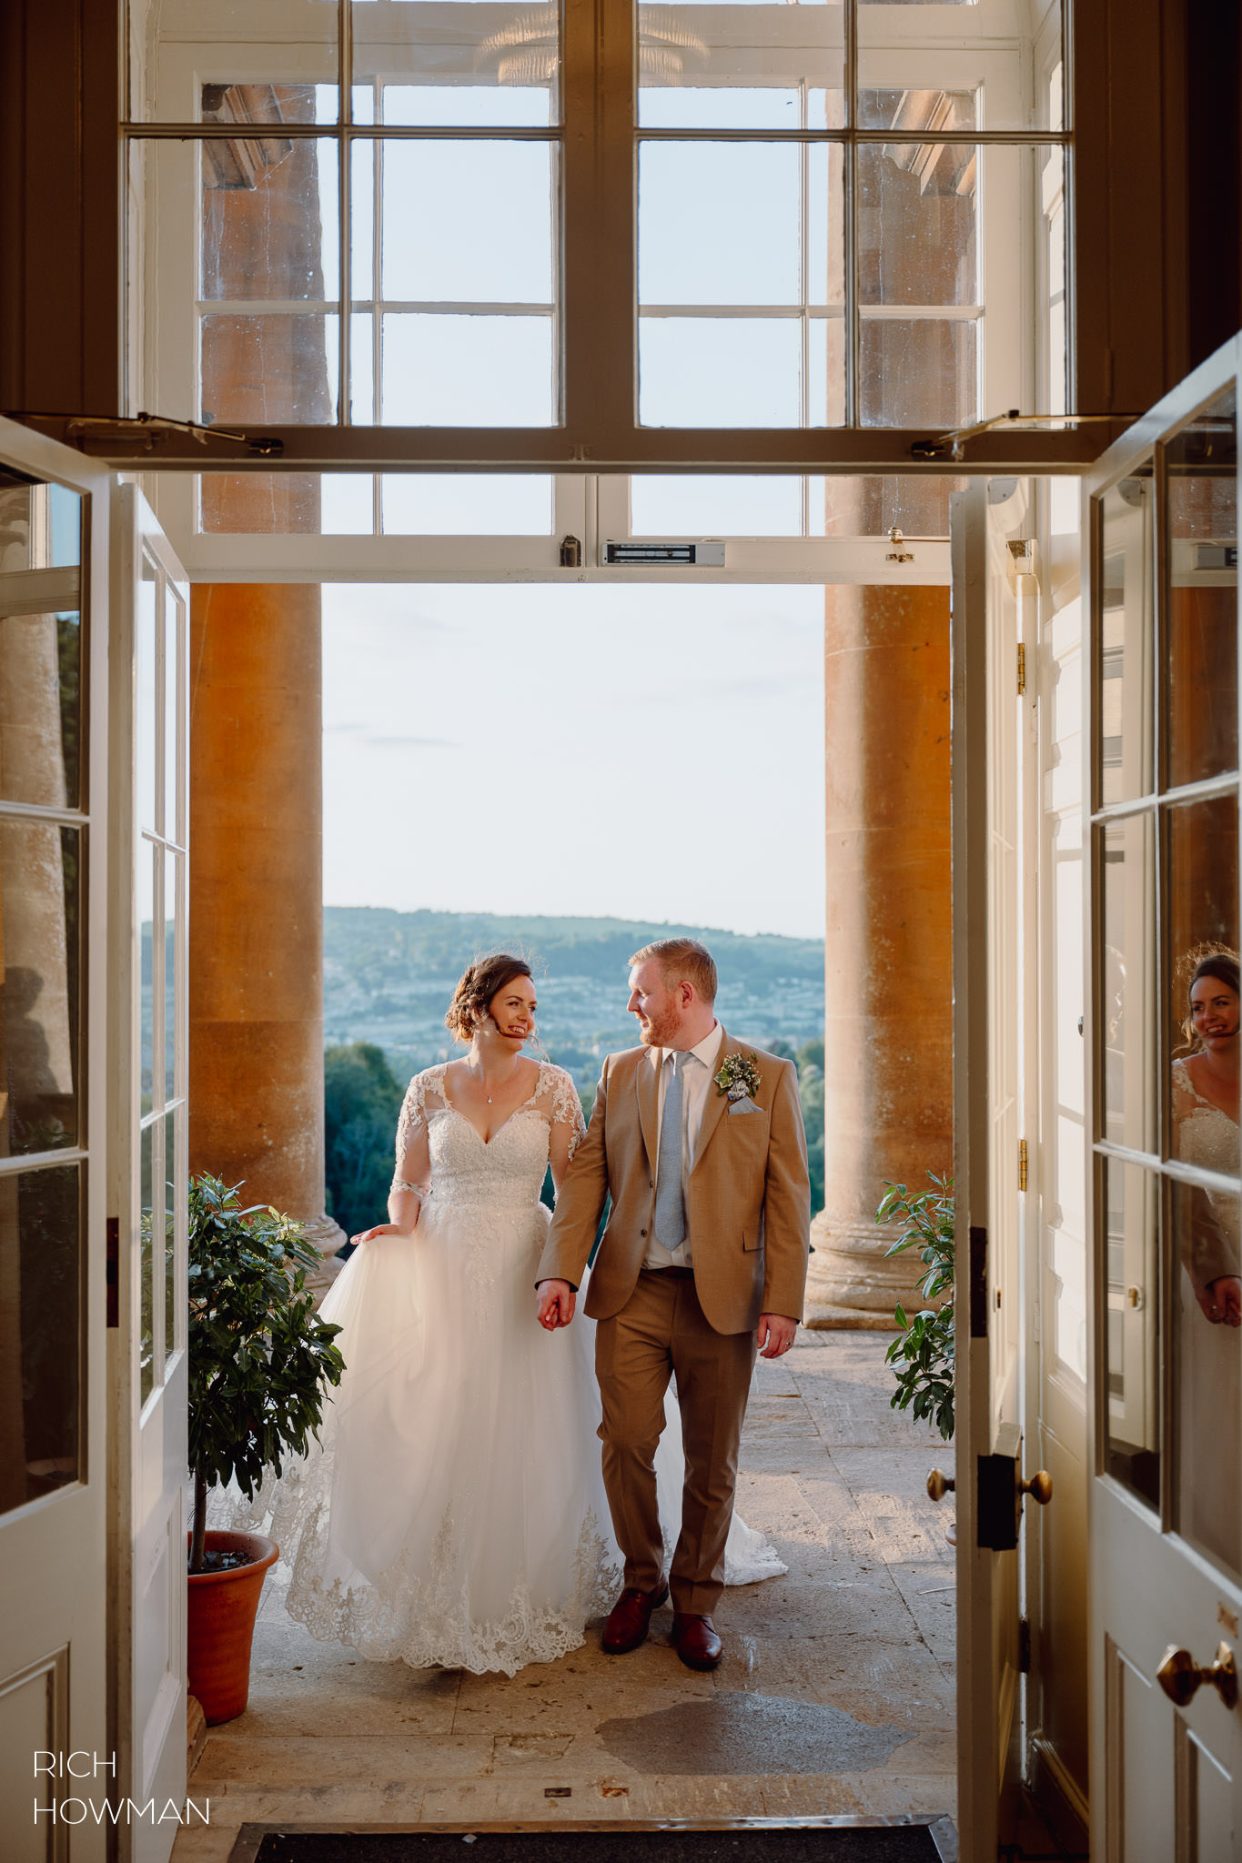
column 895, row 1842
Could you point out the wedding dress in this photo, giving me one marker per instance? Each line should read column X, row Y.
column 1210, row 1357
column 453, row 1511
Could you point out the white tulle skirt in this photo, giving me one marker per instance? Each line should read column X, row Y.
column 453, row 1511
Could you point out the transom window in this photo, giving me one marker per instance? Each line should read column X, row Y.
column 432, row 232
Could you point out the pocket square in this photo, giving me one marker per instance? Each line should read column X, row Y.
column 743, row 1106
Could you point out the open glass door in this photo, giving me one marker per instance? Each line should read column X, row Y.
column 53, row 1137
column 988, row 918
column 1162, row 1025
column 149, row 1177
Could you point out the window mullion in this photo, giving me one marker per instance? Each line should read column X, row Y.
column 344, row 182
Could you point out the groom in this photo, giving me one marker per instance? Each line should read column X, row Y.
column 699, row 1140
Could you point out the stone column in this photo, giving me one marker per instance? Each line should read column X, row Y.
column 256, row 898
column 888, row 1079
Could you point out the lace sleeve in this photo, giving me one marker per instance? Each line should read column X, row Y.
column 566, row 1107
column 411, row 1125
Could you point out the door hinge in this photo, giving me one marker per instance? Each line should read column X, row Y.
column 1021, row 668
column 1023, row 1165
column 1024, row 1646
column 113, row 1271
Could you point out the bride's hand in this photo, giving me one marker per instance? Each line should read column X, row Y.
column 380, row 1229
column 1222, row 1301
column 556, row 1304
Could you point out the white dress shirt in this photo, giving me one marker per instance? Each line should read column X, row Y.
column 698, row 1066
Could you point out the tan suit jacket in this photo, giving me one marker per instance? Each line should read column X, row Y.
column 748, row 1200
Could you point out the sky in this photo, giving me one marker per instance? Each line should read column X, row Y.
column 646, row 752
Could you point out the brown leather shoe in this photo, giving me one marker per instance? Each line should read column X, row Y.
column 629, row 1619
column 696, row 1641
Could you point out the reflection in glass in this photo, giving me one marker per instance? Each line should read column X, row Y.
column 907, row 64
column 1132, row 1335
column 172, row 980
column 146, row 860
column 146, row 1265
column 918, row 372
column 1126, row 982
column 1202, row 903
column 1124, row 640
column 260, row 504
column 768, row 66
column 40, row 1331
column 1203, row 595
column 174, row 1199
column 426, row 64
column 918, row 234
column 40, row 901
column 1208, row 1354
column 40, row 708
column 174, row 676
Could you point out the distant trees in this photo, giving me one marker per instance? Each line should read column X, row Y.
column 362, row 1098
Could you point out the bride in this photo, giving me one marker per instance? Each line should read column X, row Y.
column 453, row 1511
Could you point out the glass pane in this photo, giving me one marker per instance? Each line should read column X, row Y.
column 1124, row 751
column 1130, row 1212
column 671, row 504
column 768, row 65
column 174, row 730
column 41, row 1336
column 64, row 526
column 245, row 61
column 470, row 65
column 1203, row 595
column 1208, row 1359
column 40, row 908
column 917, row 232
column 269, row 369
column 720, row 372
column 250, row 504
column 174, row 1200
column 918, row 372
column 348, row 504
column 148, row 1167
column 1202, row 921
column 40, row 708
column 463, row 371
column 147, row 698
column 914, row 74
column 172, row 981
column 466, row 222
column 148, row 854
column 766, row 227
column 1127, row 1029
column 869, row 506
column 466, row 504
column 270, row 225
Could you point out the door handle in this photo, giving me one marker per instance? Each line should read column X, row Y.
column 1039, row 1487
column 1181, row 1677
column 939, row 1485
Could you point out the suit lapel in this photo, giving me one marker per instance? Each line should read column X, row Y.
column 714, row 1110
column 647, row 1087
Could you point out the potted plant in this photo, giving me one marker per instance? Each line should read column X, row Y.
column 259, row 1361
column 923, row 1354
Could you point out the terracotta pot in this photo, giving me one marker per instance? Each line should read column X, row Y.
column 222, row 1610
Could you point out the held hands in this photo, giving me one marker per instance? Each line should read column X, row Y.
column 778, row 1332
column 1221, row 1300
column 556, row 1304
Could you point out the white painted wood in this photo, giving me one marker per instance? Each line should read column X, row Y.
column 53, row 1677
column 1167, row 1780
column 150, row 724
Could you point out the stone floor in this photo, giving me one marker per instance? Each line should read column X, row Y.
column 836, row 1693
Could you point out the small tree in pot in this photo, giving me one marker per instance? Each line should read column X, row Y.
column 259, row 1362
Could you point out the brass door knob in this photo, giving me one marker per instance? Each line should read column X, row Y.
column 1181, row 1677
column 939, row 1485
column 1039, row 1487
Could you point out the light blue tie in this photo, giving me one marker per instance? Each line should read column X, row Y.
column 670, row 1203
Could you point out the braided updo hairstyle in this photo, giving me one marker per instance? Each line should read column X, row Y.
column 476, row 988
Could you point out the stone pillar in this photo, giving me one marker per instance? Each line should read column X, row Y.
column 256, row 898
column 888, row 1064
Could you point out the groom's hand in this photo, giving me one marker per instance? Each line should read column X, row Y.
column 556, row 1304
column 776, row 1334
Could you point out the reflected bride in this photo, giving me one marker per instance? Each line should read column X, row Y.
column 453, row 1512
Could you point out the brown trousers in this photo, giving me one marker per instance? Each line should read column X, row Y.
column 661, row 1332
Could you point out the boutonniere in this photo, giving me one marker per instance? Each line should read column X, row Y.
column 737, row 1077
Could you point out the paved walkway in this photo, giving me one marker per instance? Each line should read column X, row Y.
column 836, row 1693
